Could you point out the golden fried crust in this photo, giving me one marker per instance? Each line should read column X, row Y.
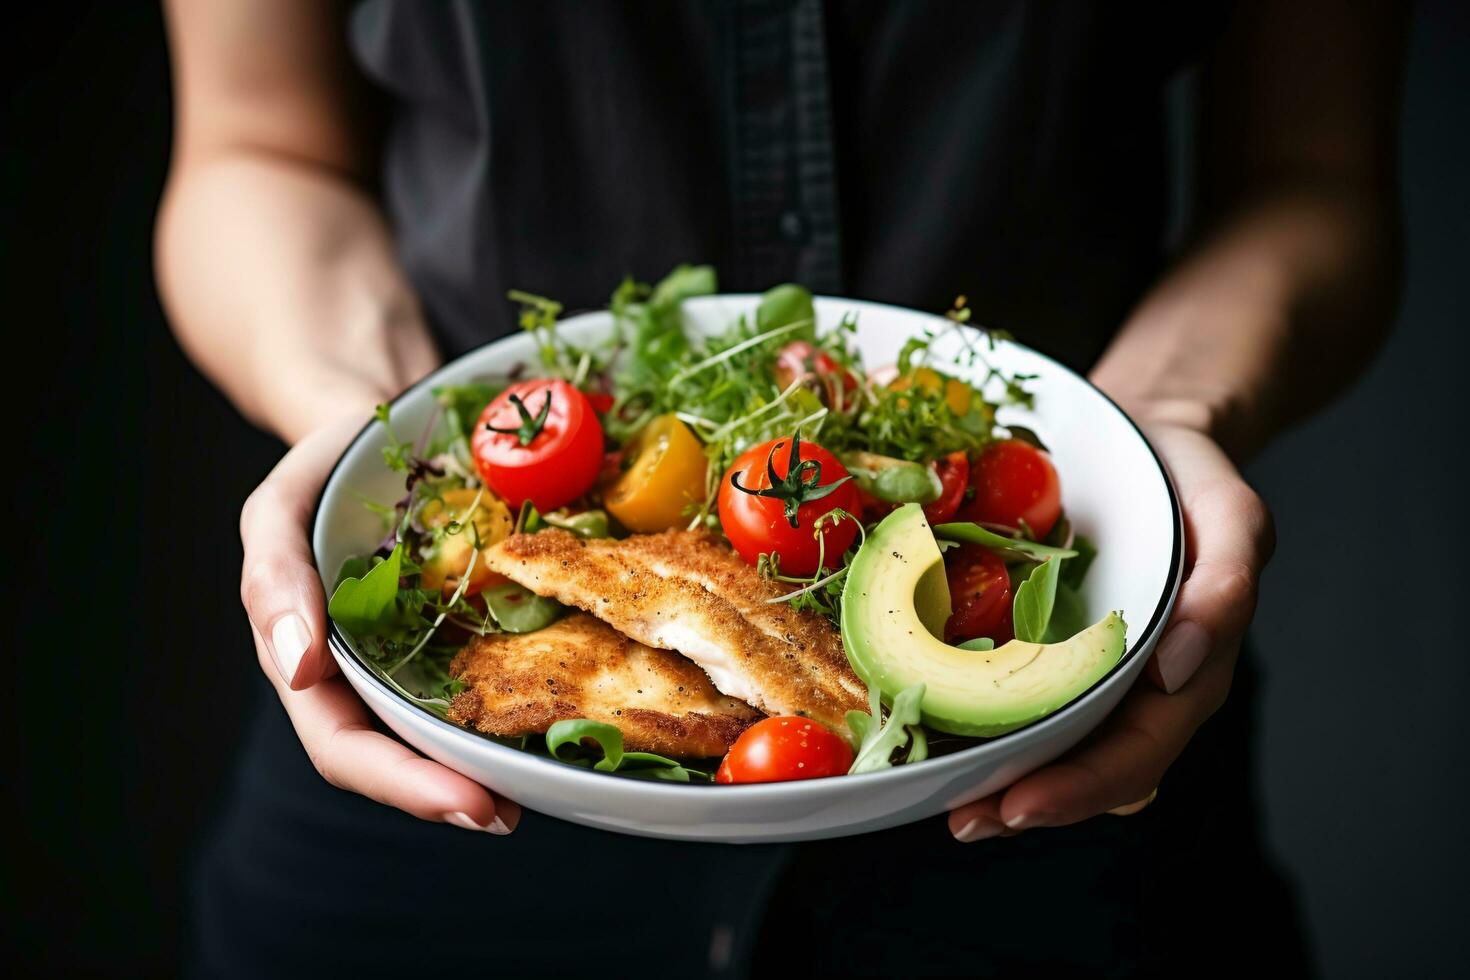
column 579, row 667
column 687, row 591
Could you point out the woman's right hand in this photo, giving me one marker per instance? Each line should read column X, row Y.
column 284, row 600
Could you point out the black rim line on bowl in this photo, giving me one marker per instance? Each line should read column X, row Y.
column 339, row 641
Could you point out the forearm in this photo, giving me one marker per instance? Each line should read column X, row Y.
column 1265, row 320
column 280, row 281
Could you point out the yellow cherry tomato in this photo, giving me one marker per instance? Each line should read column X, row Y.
column 445, row 560
column 957, row 394
column 666, row 473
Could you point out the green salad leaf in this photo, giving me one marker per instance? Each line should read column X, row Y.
column 1068, row 615
column 369, row 605
column 1035, row 599
column 785, row 305
column 566, row 741
column 979, row 643
column 683, row 282
column 587, row 524
column 975, row 534
column 1075, row 570
column 517, row 609
column 878, row 738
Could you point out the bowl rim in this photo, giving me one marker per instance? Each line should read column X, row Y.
column 952, row 763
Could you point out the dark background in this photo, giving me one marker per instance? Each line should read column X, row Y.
column 134, row 671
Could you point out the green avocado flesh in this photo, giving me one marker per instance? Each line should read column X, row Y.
column 894, row 605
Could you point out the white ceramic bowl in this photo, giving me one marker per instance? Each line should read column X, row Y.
column 1114, row 489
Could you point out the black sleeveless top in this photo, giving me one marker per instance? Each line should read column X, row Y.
column 903, row 152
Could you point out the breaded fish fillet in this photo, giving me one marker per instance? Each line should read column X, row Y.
column 687, row 591
column 580, row 667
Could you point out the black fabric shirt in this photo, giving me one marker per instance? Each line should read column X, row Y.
column 902, row 152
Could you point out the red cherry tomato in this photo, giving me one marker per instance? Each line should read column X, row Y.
column 800, row 357
column 758, row 524
column 954, row 477
column 600, row 401
column 979, row 595
column 778, row 749
column 1015, row 482
column 547, row 453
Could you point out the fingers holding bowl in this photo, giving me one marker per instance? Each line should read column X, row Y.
column 279, row 584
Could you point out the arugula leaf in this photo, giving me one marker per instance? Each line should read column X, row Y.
column 786, row 304
column 1075, row 570
column 397, row 453
column 587, row 524
column 463, row 405
column 975, row 534
column 683, row 282
column 565, row 743
column 356, row 566
column 877, row 740
column 1068, row 615
column 519, row 610
column 1035, row 598
column 369, row 605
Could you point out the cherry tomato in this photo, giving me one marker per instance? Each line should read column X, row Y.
column 1015, row 482
column 757, row 521
column 600, row 401
column 800, row 357
column 666, row 474
column 443, row 562
column 957, row 395
column 538, row 441
column 954, row 477
column 979, row 595
column 777, row 749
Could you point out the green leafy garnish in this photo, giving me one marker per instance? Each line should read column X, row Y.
column 1035, row 598
column 566, row 742
column 587, row 524
column 516, row 609
column 1075, row 570
column 786, row 305
column 979, row 643
column 1069, row 613
column 893, row 481
column 975, row 534
column 397, row 453
column 369, row 605
column 878, row 740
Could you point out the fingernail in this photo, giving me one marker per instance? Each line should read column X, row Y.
column 1181, row 651
column 977, row 829
column 495, row 826
column 289, row 640
column 1025, row 821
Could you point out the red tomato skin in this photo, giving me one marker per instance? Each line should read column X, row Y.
column 785, row 748
column 559, row 465
column 979, row 594
column 601, row 402
column 1015, row 482
column 954, row 478
column 757, row 525
column 800, row 357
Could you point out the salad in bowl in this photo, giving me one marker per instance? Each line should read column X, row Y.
column 710, row 541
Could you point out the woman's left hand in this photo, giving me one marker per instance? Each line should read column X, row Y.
column 1118, row 767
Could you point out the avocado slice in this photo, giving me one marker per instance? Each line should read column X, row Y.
column 894, row 605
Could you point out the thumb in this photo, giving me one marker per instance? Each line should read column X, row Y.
column 279, row 583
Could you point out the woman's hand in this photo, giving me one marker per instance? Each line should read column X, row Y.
column 1118, row 768
column 283, row 597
